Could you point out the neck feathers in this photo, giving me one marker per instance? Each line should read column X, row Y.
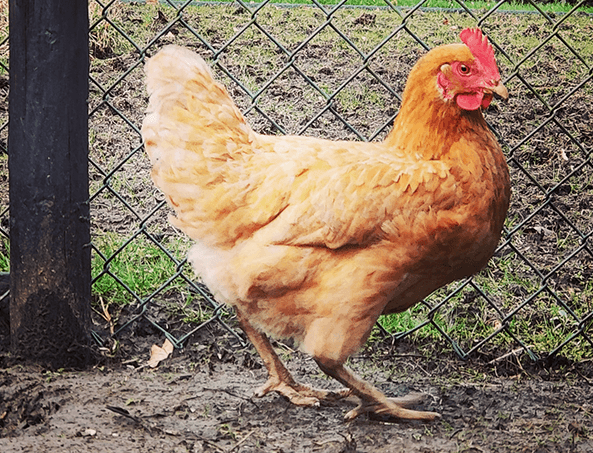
column 426, row 123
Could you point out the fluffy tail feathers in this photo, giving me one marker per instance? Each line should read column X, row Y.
column 189, row 110
column 195, row 136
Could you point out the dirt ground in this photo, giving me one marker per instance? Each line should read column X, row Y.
column 200, row 399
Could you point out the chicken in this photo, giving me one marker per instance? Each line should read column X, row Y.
column 313, row 239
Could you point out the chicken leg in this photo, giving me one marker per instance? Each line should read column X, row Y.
column 280, row 380
column 372, row 399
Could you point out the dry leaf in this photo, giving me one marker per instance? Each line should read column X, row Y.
column 158, row 353
column 107, row 316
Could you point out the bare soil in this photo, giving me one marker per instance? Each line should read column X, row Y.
column 200, row 399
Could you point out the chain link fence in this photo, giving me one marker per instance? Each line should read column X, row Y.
column 337, row 70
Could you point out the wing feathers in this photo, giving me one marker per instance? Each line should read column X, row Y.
column 227, row 183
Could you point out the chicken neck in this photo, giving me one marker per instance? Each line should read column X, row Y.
column 428, row 128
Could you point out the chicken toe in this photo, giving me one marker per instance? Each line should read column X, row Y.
column 299, row 394
column 395, row 407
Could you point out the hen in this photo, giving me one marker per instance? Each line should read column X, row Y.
column 313, row 239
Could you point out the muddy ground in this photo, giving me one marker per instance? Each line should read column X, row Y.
column 200, row 399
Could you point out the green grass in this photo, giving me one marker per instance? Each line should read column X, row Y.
column 556, row 7
column 4, row 254
column 144, row 268
column 139, row 264
column 467, row 318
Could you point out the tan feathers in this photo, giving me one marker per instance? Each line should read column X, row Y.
column 282, row 222
column 313, row 239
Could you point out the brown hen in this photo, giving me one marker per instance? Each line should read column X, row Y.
column 313, row 239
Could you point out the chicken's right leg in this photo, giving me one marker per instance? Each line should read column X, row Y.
column 372, row 399
column 280, row 380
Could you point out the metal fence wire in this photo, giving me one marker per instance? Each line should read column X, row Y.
column 337, row 70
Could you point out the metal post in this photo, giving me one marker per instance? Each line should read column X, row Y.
column 48, row 167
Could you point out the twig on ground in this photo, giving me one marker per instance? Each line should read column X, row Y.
column 514, row 352
column 238, row 444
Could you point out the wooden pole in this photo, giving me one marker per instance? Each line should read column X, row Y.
column 48, row 184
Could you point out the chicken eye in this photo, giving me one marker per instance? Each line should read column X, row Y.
column 464, row 69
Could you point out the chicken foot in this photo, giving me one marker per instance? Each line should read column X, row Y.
column 372, row 399
column 280, row 380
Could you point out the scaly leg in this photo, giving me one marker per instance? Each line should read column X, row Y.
column 280, row 380
column 372, row 399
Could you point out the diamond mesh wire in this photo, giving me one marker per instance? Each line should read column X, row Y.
column 337, row 70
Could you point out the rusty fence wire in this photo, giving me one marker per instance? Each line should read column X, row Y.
column 337, row 69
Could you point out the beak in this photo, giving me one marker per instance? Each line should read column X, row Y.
column 499, row 89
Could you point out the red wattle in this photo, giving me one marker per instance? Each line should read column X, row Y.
column 471, row 101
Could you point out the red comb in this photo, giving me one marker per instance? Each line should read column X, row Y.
column 481, row 50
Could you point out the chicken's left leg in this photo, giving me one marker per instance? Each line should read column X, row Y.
column 280, row 380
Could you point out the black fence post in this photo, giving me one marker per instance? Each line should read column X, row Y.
column 49, row 211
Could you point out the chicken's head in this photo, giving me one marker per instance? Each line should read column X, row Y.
column 471, row 82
